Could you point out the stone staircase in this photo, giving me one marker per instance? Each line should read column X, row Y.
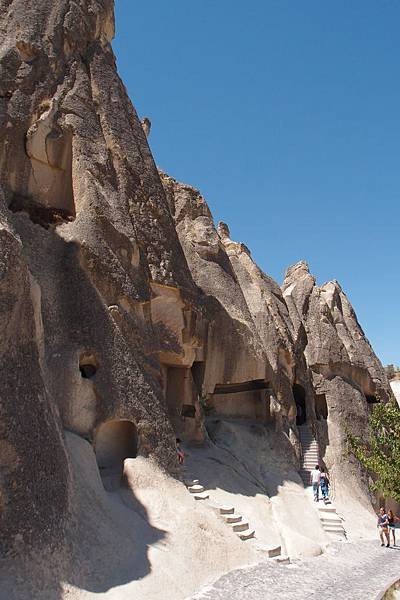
column 331, row 522
column 310, row 453
column 238, row 525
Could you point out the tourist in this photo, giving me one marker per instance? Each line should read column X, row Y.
column 180, row 452
column 392, row 519
column 324, row 484
column 382, row 525
column 315, row 479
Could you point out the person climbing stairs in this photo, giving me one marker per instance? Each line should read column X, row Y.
column 331, row 522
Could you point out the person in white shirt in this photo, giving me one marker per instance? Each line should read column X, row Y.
column 315, row 479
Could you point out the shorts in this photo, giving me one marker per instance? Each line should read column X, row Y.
column 392, row 527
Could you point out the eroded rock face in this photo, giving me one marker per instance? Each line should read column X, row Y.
column 347, row 376
column 87, row 243
column 124, row 310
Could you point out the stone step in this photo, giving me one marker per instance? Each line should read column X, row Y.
column 226, row 510
column 190, row 482
column 201, row 496
column 270, row 552
column 331, row 519
column 232, row 518
column 282, row 559
column 242, row 526
column 195, row 489
column 334, row 529
column 326, row 508
column 246, row 535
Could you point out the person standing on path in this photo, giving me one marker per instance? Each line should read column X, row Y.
column 315, row 481
column 383, row 523
column 392, row 519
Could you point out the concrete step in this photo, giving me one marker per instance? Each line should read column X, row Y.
column 242, row 526
column 232, row 518
column 246, row 534
column 226, row 510
column 201, row 496
column 195, row 489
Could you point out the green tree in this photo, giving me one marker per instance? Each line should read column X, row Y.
column 379, row 451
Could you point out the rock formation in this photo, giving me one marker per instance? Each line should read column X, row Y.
column 127, row 317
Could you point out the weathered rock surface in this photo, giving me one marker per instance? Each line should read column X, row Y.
column 127, row 318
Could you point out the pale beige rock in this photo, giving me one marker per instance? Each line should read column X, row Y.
column 129, row 319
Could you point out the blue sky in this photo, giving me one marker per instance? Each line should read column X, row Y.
column 285, row 115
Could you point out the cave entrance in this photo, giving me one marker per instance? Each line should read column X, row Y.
column 178, row 382
column 299, row 395
column 321, row 407
column 242, row 400
column 49, row 199
column 114, row 442
column 371, row 399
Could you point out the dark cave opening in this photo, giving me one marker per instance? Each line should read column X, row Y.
column 299, row 395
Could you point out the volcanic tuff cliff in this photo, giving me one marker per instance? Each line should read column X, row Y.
column 122, row 305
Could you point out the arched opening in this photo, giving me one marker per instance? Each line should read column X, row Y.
column 87, row 365
column 321, row 407
column 299, row 395
column 114, row 442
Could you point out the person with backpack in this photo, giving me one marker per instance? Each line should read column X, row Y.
column 324, row 484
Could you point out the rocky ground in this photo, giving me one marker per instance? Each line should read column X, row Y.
column 347, row 571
